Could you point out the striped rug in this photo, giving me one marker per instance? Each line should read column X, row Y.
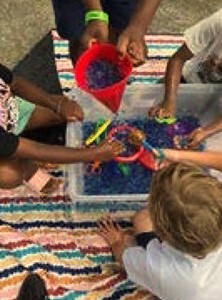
column 58, row 239
column 160, row 48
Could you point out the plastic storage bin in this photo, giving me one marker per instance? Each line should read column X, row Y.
column 205, row 101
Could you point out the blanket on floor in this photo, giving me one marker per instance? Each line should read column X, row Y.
column 57, row 238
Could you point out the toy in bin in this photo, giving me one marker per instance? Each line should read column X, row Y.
column 101, row 72
column 136, row 138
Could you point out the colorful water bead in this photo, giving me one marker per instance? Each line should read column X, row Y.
column 111, row 181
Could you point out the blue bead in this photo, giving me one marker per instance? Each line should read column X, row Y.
column 111, row 181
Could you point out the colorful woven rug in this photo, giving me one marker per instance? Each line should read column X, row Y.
column 57, row 238
column 160, row 49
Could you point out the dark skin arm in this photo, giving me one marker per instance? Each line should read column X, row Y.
column 29, row 149
column 131, row 40
column 173, row 75
column 172, row 81
column 69, row 110
column 96, row 31
column 144, row 13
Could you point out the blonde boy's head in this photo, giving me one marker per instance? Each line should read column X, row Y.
column 186, row 209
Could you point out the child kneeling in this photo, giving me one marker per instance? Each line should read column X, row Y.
column 177, row 251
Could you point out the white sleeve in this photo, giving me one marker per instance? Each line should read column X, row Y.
column 200, row 36
column 143, row 265
column 134, row 260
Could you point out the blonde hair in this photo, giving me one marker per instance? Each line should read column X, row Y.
column 185, row 206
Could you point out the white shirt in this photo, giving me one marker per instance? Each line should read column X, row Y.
column 204, row 40
column 173, row 275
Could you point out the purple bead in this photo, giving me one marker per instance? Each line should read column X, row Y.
column 101, row 74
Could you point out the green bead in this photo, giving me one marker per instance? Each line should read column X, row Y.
column 124, row 169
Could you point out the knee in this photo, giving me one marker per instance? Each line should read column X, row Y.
column 11, row 174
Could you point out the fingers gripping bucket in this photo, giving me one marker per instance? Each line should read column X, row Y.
column 110, row 96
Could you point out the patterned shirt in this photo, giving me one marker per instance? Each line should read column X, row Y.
column 8, row 114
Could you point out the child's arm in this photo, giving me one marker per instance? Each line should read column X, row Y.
column 172, row 81
column 98, row 30
column 173, row 76
column 116, row 237
column 131, row 40
column 29, row 149
column 201, row 133
column 69, row 110
column 143, row 14
column 197, row 38
column 208, row 159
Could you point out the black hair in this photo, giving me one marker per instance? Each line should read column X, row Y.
column 33, row 288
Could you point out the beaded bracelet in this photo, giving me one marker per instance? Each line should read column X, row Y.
column 93, row 15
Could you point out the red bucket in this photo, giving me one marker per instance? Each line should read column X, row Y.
column 110, row 96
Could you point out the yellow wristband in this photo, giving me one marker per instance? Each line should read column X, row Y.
column 93, row 15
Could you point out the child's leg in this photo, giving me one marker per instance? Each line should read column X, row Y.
column 42, row 117
column 31, row 116
column 11, row 173
column 69, row 18
column 15, row 172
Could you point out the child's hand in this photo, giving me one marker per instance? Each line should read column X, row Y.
column 171, row 156
column 136, row 137
column 96, row 31
column 131, row 41
column 196, row 137
column 160, row 112
column 71, row 111
column 111, row 231
column 68, row 109
column 107, row 150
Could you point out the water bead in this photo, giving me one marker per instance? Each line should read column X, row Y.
column 111, row 181
column 101, row 74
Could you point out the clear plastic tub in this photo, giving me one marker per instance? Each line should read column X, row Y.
column 204, row 101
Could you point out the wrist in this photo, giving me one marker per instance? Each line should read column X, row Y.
column 172, row 155
column 96, row 15
column 137, row 26
column 207, row 131
column 117, row 243
column 57, row 105
column 135, row 29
